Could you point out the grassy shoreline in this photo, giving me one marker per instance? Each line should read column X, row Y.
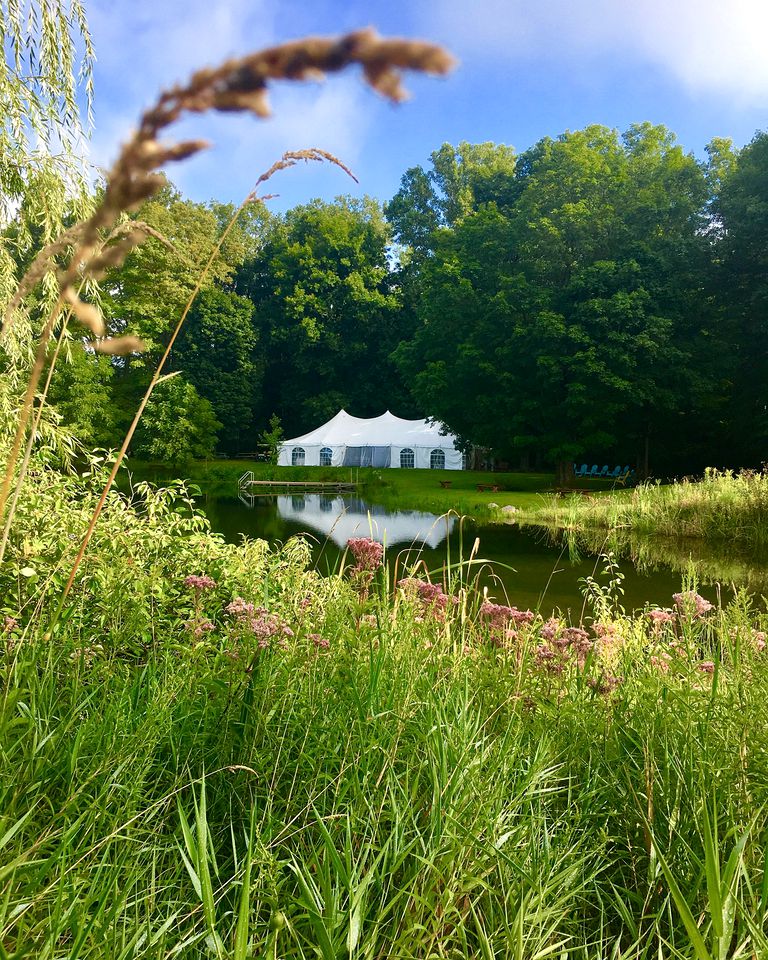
column 723, row 507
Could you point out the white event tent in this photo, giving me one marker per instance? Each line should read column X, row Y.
column 385, row 441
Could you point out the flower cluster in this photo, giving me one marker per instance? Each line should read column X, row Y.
column 260, row 622
column 199, row 627
column 660, row 617
column 562, row 645
column 198, row 584
column 434, row 600
column 320, row 643
column 239, row 609
column 691, row 604
column 368, row 554
column 498, row 616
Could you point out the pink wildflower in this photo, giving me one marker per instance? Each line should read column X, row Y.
column 707, row 666
column 434, row 600
column 320, row 642
column 265, row 624
column 758, row 638
column 550, row 629
column 239, row 608
column 692, row 604
column 204, row 582
column 661, row 662
column 368, row 554
column 498, row 616
column 10, row 623
column 660, row 617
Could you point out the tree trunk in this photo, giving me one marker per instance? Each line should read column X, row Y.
column 564, row 475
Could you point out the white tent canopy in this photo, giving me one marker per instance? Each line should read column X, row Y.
column 385, row 441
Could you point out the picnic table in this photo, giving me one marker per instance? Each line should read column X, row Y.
column 494, row 487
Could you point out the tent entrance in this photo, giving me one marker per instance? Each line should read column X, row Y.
column 368, row 457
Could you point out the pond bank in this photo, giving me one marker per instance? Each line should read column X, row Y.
column 724, row 508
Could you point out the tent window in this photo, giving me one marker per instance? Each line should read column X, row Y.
column 297, row 457
column 407, row 458
column 325, row 457
column 437, row 460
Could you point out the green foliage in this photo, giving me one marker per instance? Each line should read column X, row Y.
column 215, row 354
column 147, row 294
column 326, row 315
column 723, row 507
column 360, row 773
column 273, row 437
column 558, row 317
column 81, row 393
column 178, row 425
column 47, row 61
column 741, row 215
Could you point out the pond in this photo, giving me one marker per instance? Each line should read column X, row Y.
column 530, row 567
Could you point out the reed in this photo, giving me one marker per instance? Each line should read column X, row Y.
column 722, row 506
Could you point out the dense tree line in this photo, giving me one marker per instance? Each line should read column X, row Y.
column 599, row 296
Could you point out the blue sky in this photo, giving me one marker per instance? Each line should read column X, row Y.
column 527, row 69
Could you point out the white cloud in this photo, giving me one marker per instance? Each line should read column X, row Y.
column 147, row 45
column 711, row 46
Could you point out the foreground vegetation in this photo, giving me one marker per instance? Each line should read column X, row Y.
column 215, row 751
column 723, row 507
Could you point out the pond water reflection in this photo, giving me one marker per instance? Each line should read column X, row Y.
column 531, row 567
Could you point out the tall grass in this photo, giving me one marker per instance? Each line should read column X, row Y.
column 358, row 769
column 722, row 506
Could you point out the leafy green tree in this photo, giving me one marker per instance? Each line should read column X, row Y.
column 327, row 315
column 741, row 290
column 215, row 354
column 81, row 394
column 46, row 68
column 460, row 180
column 562, row 321
column 178, row 425
column 273, row 437
column 147, row 294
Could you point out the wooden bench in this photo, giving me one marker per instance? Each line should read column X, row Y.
column 445, row 484
column 482, row 487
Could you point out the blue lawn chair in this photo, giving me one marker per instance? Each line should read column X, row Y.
column 616, row 473
column 594, row 471
column 604, row 471
column 581, row 471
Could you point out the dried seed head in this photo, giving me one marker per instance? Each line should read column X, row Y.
column 237, row 84
column 86, row 313
column 119, row 346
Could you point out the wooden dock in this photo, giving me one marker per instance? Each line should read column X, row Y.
column 247, row 482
